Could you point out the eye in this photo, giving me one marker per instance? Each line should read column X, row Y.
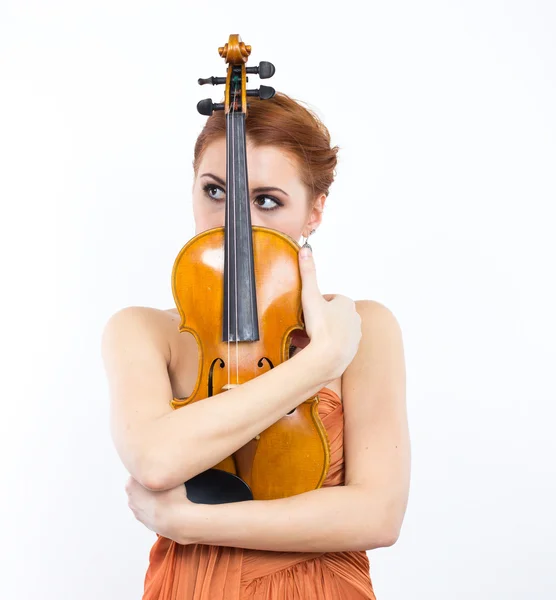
column 277, row 202
column 212, row 190
column 217, row 194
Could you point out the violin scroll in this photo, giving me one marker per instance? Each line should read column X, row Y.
column 235, row 52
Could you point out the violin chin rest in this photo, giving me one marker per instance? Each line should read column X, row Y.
column 215, row 486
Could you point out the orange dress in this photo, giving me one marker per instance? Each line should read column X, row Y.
column 207, row 572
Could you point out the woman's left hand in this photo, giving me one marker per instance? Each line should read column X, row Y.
column 168, row 512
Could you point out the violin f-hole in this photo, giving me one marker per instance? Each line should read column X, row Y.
column 211, row 371
column 260, row 363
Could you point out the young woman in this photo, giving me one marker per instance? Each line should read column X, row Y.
column 308, row 546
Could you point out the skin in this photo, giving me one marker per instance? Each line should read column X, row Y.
column 372, row 503
column 290, row 210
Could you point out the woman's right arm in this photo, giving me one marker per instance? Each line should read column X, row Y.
column 162, row 447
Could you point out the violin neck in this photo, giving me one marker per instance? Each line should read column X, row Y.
column 240, row 319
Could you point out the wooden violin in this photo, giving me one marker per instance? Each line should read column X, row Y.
column 237, row 289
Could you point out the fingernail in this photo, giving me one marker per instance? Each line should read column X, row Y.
column 305, row 251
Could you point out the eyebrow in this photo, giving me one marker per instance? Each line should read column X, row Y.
column 259, row 189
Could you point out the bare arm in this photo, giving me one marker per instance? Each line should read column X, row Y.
column 162, row 447
column 328, row 519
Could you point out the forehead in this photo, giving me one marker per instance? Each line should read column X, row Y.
column 266, row 165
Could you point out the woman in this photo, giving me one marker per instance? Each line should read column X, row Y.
column 307, row 546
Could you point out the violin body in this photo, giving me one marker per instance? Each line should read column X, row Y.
column 289, row 457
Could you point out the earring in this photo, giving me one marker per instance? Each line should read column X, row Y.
column 306, row 238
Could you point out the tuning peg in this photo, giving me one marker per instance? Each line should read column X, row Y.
column 264, row 92
column 265, row 70
column 213, row 80
column 206, row 106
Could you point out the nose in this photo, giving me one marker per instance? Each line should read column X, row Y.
column 256, row 219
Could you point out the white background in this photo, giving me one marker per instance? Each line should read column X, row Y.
column 442, row 210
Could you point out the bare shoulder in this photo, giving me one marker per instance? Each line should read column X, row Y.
column 377, row 314
column 135, row 325
column 382, row 339
column 381, row 351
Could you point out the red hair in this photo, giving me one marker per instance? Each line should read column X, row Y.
column 286, row 124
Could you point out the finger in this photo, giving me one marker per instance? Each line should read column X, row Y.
column 310, row 289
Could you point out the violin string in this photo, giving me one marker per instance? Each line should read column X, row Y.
column 231, row 192
column 235, row 257
column 230, row 189
column 227, row 197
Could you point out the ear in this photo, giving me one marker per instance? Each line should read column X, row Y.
column 315, row 215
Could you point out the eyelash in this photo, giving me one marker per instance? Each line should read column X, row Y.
column 207, row 186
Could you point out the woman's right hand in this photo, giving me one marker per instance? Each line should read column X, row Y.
column 331, row 321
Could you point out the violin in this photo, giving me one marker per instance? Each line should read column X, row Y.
column 224, row 283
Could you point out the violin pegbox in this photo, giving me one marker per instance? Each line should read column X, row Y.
column 236, row 53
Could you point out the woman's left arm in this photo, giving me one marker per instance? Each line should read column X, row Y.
column 368, row 511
